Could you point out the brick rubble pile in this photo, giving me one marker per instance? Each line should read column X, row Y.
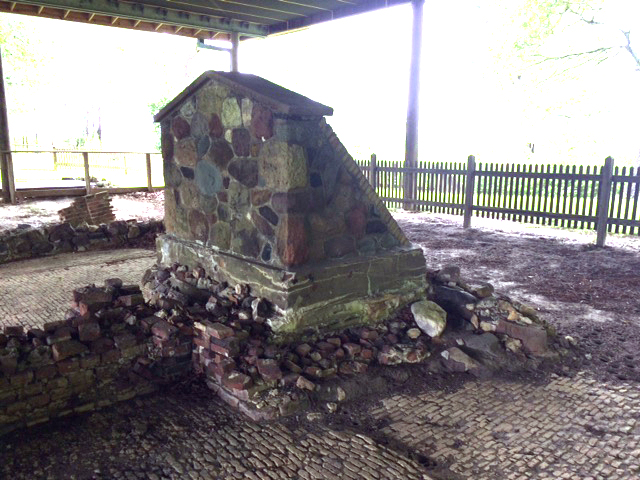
column 114, row 345
column 27, row 242
column 103, row 352
column 92, row 209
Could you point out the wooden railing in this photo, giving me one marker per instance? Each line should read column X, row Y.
column 605, row 199
column 22, row 166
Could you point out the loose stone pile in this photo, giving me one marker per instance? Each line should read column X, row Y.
column 28, row 242
column 102, row 353
column 246, row 366
column 236, row 352
column 484, row 327
column 113, row 346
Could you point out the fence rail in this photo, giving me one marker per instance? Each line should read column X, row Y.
column 53, row 169
column 605, row 199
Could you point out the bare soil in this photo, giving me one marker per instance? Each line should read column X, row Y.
column 590, row 294
column 38, row 213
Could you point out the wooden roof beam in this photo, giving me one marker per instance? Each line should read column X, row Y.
column 171, row 14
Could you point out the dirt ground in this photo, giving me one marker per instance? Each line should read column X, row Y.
column 37, row 213
column 589, row 294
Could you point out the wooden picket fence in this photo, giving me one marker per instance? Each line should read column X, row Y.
column 604, row 198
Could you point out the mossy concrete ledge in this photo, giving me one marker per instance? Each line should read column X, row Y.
column 324, row 296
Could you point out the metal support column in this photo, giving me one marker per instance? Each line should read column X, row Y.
column 411, row 152
column 6, row 167
column 235, row 43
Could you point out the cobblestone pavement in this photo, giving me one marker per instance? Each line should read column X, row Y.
column 181, row 436
column 36, row 291
column 566, row 428
column 569, row 428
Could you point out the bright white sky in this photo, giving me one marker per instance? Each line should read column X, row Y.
column 359, row 66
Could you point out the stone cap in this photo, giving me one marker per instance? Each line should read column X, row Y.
column 278, row 98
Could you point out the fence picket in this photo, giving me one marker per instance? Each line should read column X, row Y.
column 620, row 193
column 628, row 199
column 612, row 200
column 636, row 189
column 605, row 199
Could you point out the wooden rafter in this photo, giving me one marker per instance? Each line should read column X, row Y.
column 198, row 18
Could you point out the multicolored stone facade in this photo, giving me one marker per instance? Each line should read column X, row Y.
column 260, row 191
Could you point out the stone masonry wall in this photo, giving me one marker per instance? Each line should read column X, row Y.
column 111, row 347
column 22, row 243
column 92, row 209
column 276, row 189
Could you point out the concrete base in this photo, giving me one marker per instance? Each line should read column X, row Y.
column 326, row 296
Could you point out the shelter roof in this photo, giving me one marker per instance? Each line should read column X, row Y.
column 206, row 19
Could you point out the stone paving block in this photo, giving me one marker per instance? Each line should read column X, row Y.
column 40, row 289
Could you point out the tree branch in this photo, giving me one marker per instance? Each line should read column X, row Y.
column 571, row 55
column 627, row 47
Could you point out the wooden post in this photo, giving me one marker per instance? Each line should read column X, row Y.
column 149, row 185
column 87, row 178
column 6, row 166
column 469, row 189
column 373, row 172
column 604, row 196
column 10, row 178
column 235, row 43
column 411, row 151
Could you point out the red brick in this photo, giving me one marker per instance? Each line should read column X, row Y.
column 219, row 331
column 39, row 401
column 222, row 368
column 367, row 334
column 352, row 348
column 52, row 326
column 90, row 361
column 200, row 342
column 102, row 345
column 237, row 381
column 366, row 354
column 111, row 356
column 46, row 372
column 303, row 349
column 14, row 331
column 67, row 349
column 69, row 365
column 163, row 329
column 228, row 347
column 269, row 369
column 89, row 331
column 130, row 300
column 61, row 334
column 315, row 372
column 8, row 364
column 124, row 340
column 325, row 347
column 22, row 378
